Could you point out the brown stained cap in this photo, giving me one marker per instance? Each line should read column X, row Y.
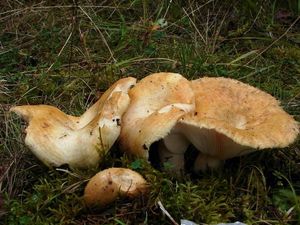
column 107, row 185
column 157, row 102
column 57, row 138
column 231, row 117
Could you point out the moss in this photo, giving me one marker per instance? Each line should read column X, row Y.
column 53, row 53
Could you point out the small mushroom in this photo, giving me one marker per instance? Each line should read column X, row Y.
column 57, row 138
column 232, row 119
column 107, row 185
column 157, row 102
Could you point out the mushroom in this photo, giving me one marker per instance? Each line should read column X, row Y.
column 107, row 185
column 57, row 138
column 232, row 119
column 157, row 102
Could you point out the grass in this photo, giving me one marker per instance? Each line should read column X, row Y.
column 66, row 53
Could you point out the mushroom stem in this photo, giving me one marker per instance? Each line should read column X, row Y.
column 204, row 162
column 176, row 160
column 172, row 149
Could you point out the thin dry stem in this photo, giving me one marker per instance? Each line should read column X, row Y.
column 60, row 52
column 274, row 42
column 101, row 34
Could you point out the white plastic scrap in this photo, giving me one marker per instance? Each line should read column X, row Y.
column 188, row 222
column 236, row 223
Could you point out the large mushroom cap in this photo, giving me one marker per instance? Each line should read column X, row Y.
column 107, row 185
column 231, row 117
column 57, row 138
column 157, row 102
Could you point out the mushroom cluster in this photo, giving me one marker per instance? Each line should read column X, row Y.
column 231, row 119
column 222, row 118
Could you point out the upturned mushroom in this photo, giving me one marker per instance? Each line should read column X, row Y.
column 232, row 119
column 57, row 138
column 107, row 185
column 157, row 102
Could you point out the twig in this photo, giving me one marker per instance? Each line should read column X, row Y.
column 167, row 10
column 166, row 212
column 199, row 7
column 71, row 173
column 101, row 34
column 274, row 42
column 154, row 59
column 194, row 25
column 256, row 72
column 61, row 50
column 217, row 30
column 57, row 7
column 255, row 19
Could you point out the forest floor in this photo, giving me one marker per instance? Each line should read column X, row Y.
column 66, row 54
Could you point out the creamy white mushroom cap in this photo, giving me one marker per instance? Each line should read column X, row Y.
column 107, row 185
column 157, row 102
column 232, row 118
column 57, row 138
